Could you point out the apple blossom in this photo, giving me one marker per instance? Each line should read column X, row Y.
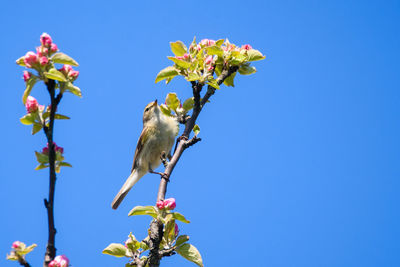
column 27, row 75
column 43, row 61
column 247, row 47
column 170, row 203
column 16, row 245
column 160, row 204
column 31, row 104
column 59, row 261
column 30, row 59
column 45, row 39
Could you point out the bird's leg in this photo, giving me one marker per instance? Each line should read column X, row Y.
column 162, row 174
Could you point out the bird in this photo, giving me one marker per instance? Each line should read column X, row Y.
column 157, row 137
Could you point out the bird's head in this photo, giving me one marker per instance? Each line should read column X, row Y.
column 151, row 111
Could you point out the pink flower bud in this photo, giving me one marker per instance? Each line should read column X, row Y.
column 30, row 59
column 16, row 245
column 59, row 149
column 247, row 47
column 179, row 57
column 31, row 104
column 45, row 39
column 186, row 56
column 27, row 75
column 43, row 61
column 198, row 47
column 208, row 60
column 170, row 203
column 211, row 42
column 210, row 68
column 160, row 204
column 53, row 47
column 176, row 230
column 59, row 261
column 65, row 69
column 204, row 42
column 73, row 74
column 45, row 151
column 42, row 51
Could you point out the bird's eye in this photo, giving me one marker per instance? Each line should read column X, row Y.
column 147, row 109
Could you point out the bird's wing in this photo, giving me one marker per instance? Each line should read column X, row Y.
column 140, row 144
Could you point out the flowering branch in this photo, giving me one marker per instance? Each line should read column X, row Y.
column 43, row 62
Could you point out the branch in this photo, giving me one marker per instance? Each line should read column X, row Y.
column 156, row 228
column 22, row 261
column 49, row 203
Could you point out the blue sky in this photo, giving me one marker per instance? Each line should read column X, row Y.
column 299, row 163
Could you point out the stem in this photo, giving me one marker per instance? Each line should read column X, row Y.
column 22, row 261
column 184, row 142
column 49, row 203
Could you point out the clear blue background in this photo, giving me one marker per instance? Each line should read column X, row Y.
column 299, row 163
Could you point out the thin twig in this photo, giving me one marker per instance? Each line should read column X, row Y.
column 49, row 203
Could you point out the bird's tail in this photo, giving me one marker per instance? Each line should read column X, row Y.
column 129, row 183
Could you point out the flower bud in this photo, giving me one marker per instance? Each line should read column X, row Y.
column 43, row 61
column 208, row 60
column 211, row 42
column 27, row 75
column 210, row 68
column 30, row 59
column 16, row 245
column 59, row 261
column 42, row 51
column 73, row 74
column 160, row 204
column 186, row 56
column 204, row 42
column 53, row 48
column 31, row 104
column 170, row 203
column 65, row 69
column 247, row 47
column 45, row 150
column 45, row 40
column 59, row 149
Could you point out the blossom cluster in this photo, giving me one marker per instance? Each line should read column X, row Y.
column 45, row 150
column 168, row 204
column 43, row 52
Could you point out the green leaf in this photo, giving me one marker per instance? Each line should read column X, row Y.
column 20, row 61
column 73, row 89
column 237, row 59
column 193, row 77
column 29, row 86
column 41, row 158
column 172, row 101
column 27, row 249
column 165, row 110
column 181, row 63
column 215, row 50
column 36, row 128
column 188, row 104
column 115, row 249
column 169, row 230
column 168, row 72
column 41, row 166
column 55, row 75
column 196, row 129
column 246, row 69
column 144, row 246
column 190, row 252
column 12, row 256
column 61, row 117
column 254, row 55
column 219, row 42
column 143, row 210
column 212, row 82
column 28, row 119
column 63, row 59
column 181, row 239
column 178, row 48
column 180, row 217
column 65, row 164
column 229, row 81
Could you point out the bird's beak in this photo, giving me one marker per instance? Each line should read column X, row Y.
column 155, row 103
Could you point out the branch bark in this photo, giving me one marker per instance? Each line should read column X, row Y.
column 184, row 142
column 22, row 261
column 49, row 203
